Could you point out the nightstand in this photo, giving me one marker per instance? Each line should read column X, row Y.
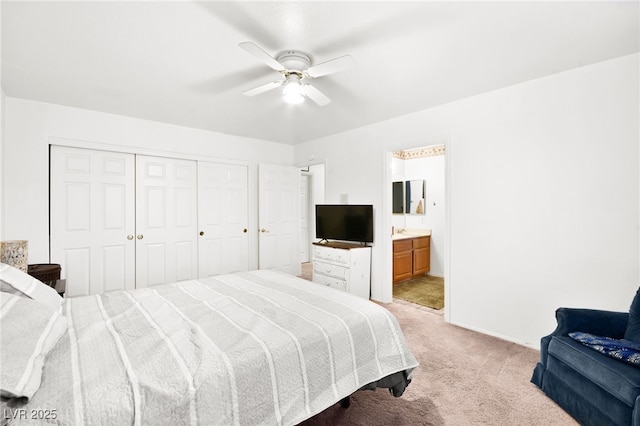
column 48, row 273
column 60, row 287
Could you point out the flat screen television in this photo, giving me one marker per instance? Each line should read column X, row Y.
column 345, row 222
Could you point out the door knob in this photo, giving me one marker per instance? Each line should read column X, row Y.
column 129, row 237
column 244, row 230
column 201, row 233
column 264, row 230
column 140, row 236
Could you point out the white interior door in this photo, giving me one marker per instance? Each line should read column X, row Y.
column 166, row 220
column 279, row 218
column 92, row 219
column 222, row 218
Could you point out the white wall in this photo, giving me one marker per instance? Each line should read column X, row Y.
column 29, row 127
column 2, row 102
column 2, row 155
column 543, row 187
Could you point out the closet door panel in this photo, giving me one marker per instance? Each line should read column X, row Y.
column 115, row 274
column 151, row 264
column 92, row 219
column 166, row 220
column 76, row 269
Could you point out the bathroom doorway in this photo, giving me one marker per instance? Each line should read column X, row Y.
column 419, row 222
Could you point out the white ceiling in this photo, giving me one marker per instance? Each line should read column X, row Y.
column 179, row 62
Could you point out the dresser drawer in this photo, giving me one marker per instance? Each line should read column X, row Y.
column 341, row 256
column 331, row 254
column 329, row 269
column 321, row 253
column 330, row 281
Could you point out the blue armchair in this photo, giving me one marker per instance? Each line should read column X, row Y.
column 593, row 388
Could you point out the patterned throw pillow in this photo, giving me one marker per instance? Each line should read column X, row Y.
column 621, row 349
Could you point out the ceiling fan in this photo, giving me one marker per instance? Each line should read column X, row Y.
column 296, row 69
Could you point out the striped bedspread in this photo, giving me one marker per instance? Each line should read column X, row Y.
column 253, row 348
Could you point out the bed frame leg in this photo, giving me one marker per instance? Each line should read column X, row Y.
column 345, row 402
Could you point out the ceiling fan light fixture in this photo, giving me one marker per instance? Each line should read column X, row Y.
column 295, row 66
column 293, row 92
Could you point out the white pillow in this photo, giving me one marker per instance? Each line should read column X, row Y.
column 14, row 279
column 29, row 330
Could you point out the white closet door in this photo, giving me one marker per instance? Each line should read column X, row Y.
column 279, row 218
column 166, row 220
column 222, row 217
column 92, row 219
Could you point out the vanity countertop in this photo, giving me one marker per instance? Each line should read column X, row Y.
column 411, row 233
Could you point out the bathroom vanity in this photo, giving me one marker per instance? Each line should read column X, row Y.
column 411, row 254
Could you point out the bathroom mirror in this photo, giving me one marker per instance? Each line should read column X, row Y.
column 398, row 197
column 414, row 196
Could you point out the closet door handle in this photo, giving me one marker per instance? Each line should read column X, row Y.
column 140, row 236
column 201, row 233
column 129, row 237
column 264, row 230
column 244, row 230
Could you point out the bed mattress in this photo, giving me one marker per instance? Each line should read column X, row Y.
column 252, row 348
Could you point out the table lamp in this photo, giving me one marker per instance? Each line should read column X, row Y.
column 15, row 253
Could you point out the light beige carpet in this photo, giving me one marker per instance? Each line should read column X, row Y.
column 464, row 378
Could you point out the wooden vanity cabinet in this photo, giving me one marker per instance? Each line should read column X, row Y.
column 411, row 257
column 421, row 255
column 402, row 260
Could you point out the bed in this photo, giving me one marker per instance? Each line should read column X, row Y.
column 252, row 348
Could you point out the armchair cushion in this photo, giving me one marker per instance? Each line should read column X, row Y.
column 633, row 326
column 621, row 349
column 617, row 378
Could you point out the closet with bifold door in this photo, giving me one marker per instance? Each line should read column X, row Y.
column 120, row 221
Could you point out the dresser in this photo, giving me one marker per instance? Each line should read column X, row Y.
column 343, row 266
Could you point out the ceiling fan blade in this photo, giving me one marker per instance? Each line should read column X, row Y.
column 315, row 95
column 256, row 51
column 263, row 88
column 334, row 65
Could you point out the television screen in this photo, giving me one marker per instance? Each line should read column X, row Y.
column 345, row 222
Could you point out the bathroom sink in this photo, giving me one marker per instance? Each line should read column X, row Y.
column 411, row 233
